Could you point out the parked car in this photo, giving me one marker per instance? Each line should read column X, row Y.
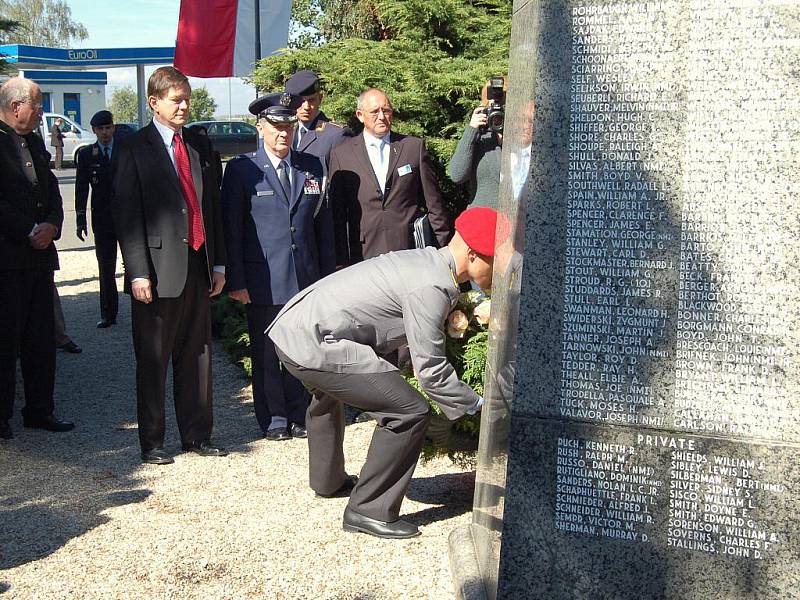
column 230, row 138
column 75, row 137
column 124, row 129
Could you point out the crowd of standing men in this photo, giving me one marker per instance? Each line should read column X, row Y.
column 312, row 200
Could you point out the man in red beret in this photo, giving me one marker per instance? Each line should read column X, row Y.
column 331, row 336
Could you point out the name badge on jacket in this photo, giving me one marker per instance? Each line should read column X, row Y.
column 404, row 170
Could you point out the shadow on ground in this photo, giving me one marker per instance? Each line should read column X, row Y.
column 56, row 486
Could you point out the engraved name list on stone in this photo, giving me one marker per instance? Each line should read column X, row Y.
column 682, row 492
column 736, row 350
column 620, row 247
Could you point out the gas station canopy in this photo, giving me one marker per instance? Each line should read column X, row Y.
column 37, row 57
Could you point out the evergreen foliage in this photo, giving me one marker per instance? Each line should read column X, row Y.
column 430, row 56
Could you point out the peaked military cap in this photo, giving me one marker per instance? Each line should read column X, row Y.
column 303, row 83
column 280, row 107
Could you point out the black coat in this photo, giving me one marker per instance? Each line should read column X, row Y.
column 149, row 210
column 93, row 170
column 23, row 204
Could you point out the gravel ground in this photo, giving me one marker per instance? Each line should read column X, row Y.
column 81, row 517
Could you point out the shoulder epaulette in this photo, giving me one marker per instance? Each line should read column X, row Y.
column 323, row 124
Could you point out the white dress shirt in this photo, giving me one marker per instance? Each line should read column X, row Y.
column 378, row 152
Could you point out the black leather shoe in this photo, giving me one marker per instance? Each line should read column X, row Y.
column 50, row 423
column 71, row 347
column 278, row 434
column 205, row 448
column 345, row 489
column 5, row 430
column 398, row 529
column 157, row 456
column 362, row 417
column 103, row 323
column 298, row 431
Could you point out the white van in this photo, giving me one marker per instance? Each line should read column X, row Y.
column 75, row 137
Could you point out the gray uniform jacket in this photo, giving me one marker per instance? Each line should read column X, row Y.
column 341, row 323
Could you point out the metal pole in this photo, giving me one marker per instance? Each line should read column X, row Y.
column 141, row 93
column 230, row 109
column 258, row 30
column 258, row 34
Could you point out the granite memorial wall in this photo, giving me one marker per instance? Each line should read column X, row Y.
column 655, row 420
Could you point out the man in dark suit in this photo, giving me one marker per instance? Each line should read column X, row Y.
column 315, row 133
column 280, row 240
column 94, row 169
column 57, row 142
column 30, row 219
column 380, row 183
column 167, row 218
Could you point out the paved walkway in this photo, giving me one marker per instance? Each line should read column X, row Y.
column 81, row 517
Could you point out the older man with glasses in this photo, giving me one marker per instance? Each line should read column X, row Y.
column 30, row 219
column 380, row 183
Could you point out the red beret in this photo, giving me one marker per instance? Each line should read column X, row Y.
column 478, row 228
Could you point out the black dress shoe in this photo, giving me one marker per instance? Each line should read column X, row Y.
column 205, row 448
column 5, row 430
column 103, row 323
column 298, row 431
column 343, row 491
column 157, row 456
column 398, row 529
column 278, row 434
column 50, row 423
column 362, row 417
column 71, row 347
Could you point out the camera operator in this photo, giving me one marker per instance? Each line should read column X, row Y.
column 476, row 160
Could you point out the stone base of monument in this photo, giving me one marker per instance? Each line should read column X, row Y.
column 464, row 566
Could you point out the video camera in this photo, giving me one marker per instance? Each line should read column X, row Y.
column 495, row 111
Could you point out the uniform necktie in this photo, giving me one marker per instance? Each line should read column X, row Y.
column 283, row 176
column 105, row 153
column 196, row 235
column 299, row 136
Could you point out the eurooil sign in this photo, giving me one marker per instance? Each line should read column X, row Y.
column 82, row 54
column 33, row 57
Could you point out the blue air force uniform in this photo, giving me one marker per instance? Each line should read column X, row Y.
column 278, row 244
column 320, row 135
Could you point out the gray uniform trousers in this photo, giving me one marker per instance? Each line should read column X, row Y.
column 402, row 416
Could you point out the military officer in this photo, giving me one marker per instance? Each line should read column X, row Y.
column 94, row 170
column 280, row 239
column 331, row 336
column 315, row 134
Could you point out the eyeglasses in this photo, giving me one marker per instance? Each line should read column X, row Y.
column 387, row 112
column 35, row 107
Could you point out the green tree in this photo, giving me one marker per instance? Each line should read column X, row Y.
column 6, row 26
column 202, row 105
column 430, row 56
column 41, row 23
column 124, row 105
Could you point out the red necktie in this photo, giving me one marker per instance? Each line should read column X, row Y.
column 196, row 235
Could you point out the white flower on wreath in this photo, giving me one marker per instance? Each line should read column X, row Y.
column 482, row 311
column 457, row 324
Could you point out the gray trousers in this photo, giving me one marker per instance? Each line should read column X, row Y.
column 402, row 416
